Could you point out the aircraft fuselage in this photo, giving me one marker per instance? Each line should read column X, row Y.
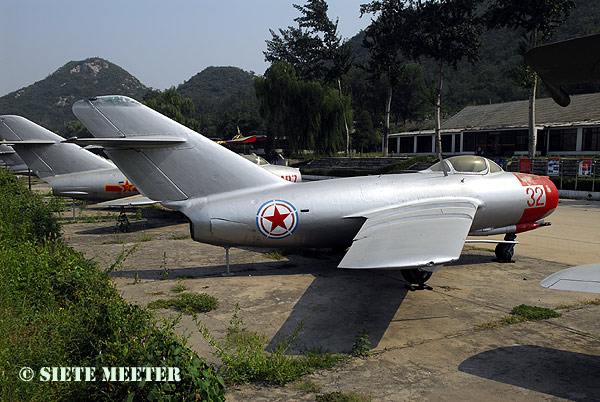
column 329, row 213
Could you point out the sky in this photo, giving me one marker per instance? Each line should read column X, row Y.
column 162, row 43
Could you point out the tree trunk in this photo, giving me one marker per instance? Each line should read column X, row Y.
column 532, row 131
column 438, row 118
column 386, row 129
column 347, row 151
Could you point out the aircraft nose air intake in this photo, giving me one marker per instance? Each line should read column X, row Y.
column 540, row 197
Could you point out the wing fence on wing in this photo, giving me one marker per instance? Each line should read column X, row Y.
column 420, row 234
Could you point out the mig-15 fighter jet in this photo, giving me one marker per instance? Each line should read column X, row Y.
column 414, row 222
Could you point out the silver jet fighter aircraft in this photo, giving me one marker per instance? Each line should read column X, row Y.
column 12, row 160
column 414, row 222
column 70, row 170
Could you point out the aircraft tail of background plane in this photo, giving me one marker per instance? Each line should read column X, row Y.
column 166, row 160
column 12, row 160
column 43, row 150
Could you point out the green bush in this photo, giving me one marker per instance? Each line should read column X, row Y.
column 57, row 309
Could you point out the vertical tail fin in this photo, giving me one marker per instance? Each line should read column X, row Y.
column 49, row 156
column 166, row 160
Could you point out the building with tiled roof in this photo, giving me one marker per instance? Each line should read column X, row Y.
column 501, row 130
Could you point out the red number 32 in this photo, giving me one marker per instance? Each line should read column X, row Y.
column 536, row 196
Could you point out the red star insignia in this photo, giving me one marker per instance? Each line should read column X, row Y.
column 127, row 186
column 277, row 219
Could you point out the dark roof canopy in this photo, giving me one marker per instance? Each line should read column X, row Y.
column 584, row 109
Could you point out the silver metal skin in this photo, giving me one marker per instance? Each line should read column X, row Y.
column 583, row 278
column 12, row 160
column 70, row 170
column 390, row 221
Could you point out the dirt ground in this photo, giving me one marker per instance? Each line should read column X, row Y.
column 427, row 344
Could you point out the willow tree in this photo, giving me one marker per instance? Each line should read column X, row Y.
column 538, row 18
column 302, row 114
column 315, row 49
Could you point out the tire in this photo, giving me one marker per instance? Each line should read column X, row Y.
column 417, row 276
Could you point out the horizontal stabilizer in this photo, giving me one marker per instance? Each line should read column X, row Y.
column 420, row 234
column 43, row 151
column 133, row 201
column 583, row 278
column 30, row 142
column 128, row 143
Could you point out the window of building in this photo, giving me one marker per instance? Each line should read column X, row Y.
column 563, row 139
column 469, row 142
column 447, row 143
column 424, row 144
column 407, row 145
column 591, row 139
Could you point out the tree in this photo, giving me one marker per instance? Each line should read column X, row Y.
column 314, row 49
column 382, row 41
column 172, row 105
column 364, row 133
column 539, row 19
column 411, row 102
column 305, row 115
column 446, row 31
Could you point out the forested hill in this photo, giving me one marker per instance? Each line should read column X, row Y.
column 489, row 80
column 48, row 102
column 224, row 98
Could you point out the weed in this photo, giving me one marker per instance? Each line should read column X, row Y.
column 245, row 359
column 138, row 215
column 164, row 268
column 343, row 397
column 180, row 287
column 122, row 222
column 143, row 237
column 362, row 345
column 189, row 303
column 308, row 386
column 593, row 302
column 276, row 255
column 123, row 255
column 180, row 237
column 448, row 288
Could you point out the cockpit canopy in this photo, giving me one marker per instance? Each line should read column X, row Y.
column 468, row 164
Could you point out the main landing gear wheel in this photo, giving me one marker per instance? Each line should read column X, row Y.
column 416, row 276
column 504, row 252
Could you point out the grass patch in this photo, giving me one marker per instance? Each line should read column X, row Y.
column 245, row 359
column 143, row 237
column 275, row 255
column 592, row 302
column 189, row 303
column 338, row 396
column 521, row 313
column 180, row 237
column 307, row 385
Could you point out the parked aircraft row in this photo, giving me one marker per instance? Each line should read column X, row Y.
column 78, row 173
column 388, row 222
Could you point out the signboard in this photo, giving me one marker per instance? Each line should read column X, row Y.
column 553, row 167
column 525, row 165
column 585, row 168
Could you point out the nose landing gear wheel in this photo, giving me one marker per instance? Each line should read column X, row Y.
column 416, row 276
column 504, row 252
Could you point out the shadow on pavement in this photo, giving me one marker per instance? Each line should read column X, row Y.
column 554, row 372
